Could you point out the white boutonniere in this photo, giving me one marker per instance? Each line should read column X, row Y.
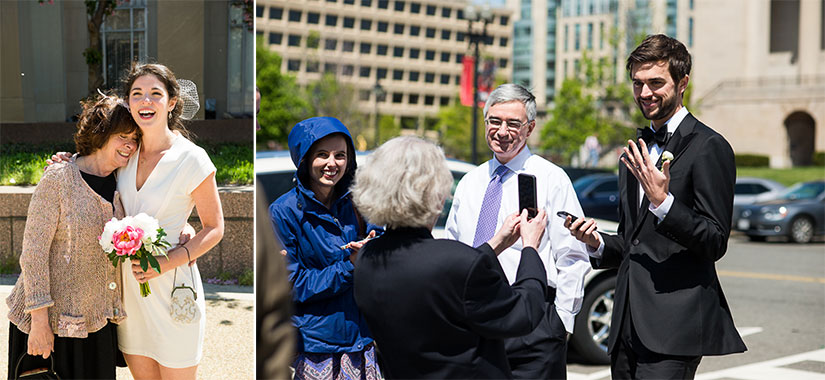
column 666, row 157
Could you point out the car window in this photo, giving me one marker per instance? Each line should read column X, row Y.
column 610, row 186
column 804, row 191
column 582, row 183
column 759, row 188
column 743, row 189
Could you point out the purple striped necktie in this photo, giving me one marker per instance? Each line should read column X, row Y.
column 488, row 217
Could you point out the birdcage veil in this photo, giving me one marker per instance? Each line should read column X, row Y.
column 188, row 98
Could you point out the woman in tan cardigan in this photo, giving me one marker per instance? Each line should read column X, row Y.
column 68, row 297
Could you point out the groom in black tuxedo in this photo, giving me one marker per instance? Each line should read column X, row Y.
column 676, row 190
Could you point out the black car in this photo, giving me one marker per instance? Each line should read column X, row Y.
column 599, row 195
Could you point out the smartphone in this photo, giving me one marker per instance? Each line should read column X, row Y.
column 527, row 195
column 565, row 214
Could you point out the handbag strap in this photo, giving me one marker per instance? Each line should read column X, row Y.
column 191, row 272
column 20, row 361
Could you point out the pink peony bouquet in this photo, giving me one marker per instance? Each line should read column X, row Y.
column 135, row 238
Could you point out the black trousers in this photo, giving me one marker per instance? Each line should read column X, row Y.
column 542, row 354
column 631, row 360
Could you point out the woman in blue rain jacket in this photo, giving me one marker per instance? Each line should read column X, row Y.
column 321, row 232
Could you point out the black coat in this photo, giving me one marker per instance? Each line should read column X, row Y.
column 667, row 273
column 440, row 309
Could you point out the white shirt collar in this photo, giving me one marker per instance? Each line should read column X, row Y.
column 674, row 120
column 515, row 165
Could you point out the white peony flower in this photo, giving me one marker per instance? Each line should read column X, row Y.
column 667, row 156
column 109, row 230
column 148, row 224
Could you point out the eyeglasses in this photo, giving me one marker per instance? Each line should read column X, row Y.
column 512, row 125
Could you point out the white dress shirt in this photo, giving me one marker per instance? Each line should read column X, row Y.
column 655, row 151
column 565, row 258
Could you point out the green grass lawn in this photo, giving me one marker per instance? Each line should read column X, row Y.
column 786, row 177
column 23, row 164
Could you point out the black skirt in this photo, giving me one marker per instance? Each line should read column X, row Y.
column 93, row 357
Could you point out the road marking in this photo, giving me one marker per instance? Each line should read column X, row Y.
column 771, row 369
column 603, row 374
column 769, row 276
column 745, row 331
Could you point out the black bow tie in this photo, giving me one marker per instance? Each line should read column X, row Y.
column 660, row 137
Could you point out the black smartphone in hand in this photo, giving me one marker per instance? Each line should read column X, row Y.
column 527, row 195
column 565, row 214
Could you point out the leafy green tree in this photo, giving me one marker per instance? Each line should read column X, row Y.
column 282, row 100
column 455, row 122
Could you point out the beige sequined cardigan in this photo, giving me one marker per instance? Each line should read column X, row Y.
column 63, row 266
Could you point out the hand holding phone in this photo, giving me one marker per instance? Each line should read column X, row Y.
column 565, row 214
column 527, row 195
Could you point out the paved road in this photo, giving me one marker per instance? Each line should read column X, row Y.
column 776, row 292
column 229, row 345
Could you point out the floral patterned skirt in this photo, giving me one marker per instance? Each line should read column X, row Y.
column 337, row 366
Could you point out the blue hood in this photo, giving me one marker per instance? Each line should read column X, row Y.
column 304, row 134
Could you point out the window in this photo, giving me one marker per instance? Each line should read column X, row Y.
column 504, row 20
column 330, row 67
column 313, row 18
column 413, row 99
column 690, row 30
column 577, row 37
column 460, row 14
column 383, row 4
column 398, row 51
column 124, row 36
column 382, row 26
column 381, row 73
column 276, row 13
column 312, row 66
column 398, row 29
column 502, row 41
column 566, row 36
column 366, row 24
column 445, row 56
column 294, row 16
column 502, row 63
column 444, row 101
column 590, row 36
column 348, row 46
column 429, row 55
column 397, row 97
column 445, row 34
column 366, row 3
column 347, row 70
column 415, row 30
column 366, row 48
column 381, row 49
column 349, row 2
column 399, row 6
column 294, row 40
column 415, row 53
column 430, row 32
column 445, row 79
column 488, row 40
column 364, row 95
column 397, row 74
column 349, row 22
column 331, row 20
column 332, row 1
column 457, row 80
column 330, row 44
column 259, row 11
column 413, row 76
column 459, row 36
column 446, row 12
column 429, row 100
column 431, row 10
column 275, row 38
column 415, row 8
column 429, row 77
column 364, row 71
column 293, row 65
column 459, row 57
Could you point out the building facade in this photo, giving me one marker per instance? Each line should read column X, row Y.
column 413, row 49
column 759, row 76
column 44, row 73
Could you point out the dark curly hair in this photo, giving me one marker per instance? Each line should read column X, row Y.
column 101, row 119
column 167, row 77
column 659, row 47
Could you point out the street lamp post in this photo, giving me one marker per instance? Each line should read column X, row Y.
column 473, row 14
column 379, row 93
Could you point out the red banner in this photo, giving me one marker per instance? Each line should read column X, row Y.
column 466, row 92
column 486, row 80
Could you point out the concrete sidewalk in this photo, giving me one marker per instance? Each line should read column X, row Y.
column 229, row 345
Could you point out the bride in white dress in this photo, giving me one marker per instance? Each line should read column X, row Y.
column 165, row 178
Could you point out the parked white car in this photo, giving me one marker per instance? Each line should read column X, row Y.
column 275, row 171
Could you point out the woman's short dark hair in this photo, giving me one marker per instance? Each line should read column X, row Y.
column 167, row 77
column 659, row 47
column 101, row 119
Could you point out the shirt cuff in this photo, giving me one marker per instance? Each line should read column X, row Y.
column 597, row 253
column 663, row 209
column 567, row 318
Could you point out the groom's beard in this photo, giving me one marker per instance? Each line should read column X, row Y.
column 665, row 108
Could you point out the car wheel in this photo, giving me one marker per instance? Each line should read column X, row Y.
column 756, row 238
column 593, row 322
column 802, row 230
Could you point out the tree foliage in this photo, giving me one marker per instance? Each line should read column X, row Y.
column 282, row 103
column 454, row 123
column 329, row 97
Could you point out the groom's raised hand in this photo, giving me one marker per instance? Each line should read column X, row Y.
column 655, row 183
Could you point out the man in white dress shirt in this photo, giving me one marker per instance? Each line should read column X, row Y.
column 509, row 117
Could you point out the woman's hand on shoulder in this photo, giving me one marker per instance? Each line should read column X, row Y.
column 59, row 157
